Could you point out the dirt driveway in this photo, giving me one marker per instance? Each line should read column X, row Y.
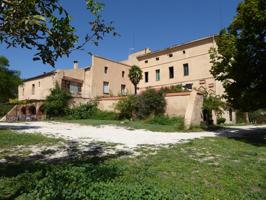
column 119, row 135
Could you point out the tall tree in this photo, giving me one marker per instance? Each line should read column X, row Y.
column 135, row 75
column 240, row 58
column 9, row 81
column 45, row 26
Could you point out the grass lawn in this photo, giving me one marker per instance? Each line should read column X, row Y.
column 9, row 139
column 210, row 168
column 138, row 124
column 12, row 143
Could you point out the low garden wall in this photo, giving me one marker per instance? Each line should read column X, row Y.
column 176, row 104
column 182, row 104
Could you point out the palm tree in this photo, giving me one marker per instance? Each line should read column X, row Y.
column 135, row 75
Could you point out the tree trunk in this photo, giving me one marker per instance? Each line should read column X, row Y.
column 136, row 88
column 246, row 117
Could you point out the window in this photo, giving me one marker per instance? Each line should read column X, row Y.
column 188, row 86
column 186, row 69
column 123, row 90
column 170, row 55
column 157, row 58
column 33, row 89
column 106, row 87
column 105, row 70
column 39, row 84
column 184, row 52
column 123, row 74
column 146, row 77
column 23, row 90
column 171, row 72
column 157, row 75
column 146, row 61
column 73, row 88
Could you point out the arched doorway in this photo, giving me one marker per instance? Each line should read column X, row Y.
column 32, row 110
column 41, row 113
column 22, row 114
column 31, row 113
column 23, row 111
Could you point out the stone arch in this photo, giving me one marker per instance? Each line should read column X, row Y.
column 22, row 113
column 23, row 110
column 41, row 113
column 32, row 110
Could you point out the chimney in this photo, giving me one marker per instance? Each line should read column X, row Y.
column 76, row 64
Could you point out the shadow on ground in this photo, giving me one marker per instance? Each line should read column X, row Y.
column 253, row 135
column 23, row 174
column 16, row 127
column 89, row 153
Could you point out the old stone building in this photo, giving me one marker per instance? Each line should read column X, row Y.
column 185, row 64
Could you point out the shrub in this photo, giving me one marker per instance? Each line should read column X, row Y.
column 90, row 111
column 258, row 116
column 221, row 120
column 165, row 120
column 87, row 181
column 212, row 103
column 83, row 111
column 173, row 89
column 105, row 115
column 126, row 107
column 4, row 109
column 56, row 103
column 142, row 106
column 150, row 102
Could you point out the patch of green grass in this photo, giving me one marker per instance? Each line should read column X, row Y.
column 138, row 124
column 9, row 139
column 210, row 168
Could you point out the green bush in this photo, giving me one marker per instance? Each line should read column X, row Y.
column 56, row 104
column 90, row 111
column 148, row 103
column 88, row 182
column 165, row 120
column 173, row 89
column 83, row 111
column 4, row 109
column 221, row 120
column 126, row 107
column 258, row 116
column 105, row 115
column 240, row 117
column 212, row 103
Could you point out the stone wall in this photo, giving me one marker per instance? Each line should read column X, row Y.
column 183, row 104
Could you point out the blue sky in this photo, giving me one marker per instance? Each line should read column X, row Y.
column 154, row 24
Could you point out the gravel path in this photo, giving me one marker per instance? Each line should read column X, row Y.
column 113, row 134
column 106, row 133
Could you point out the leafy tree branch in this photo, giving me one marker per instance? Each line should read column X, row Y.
column 45, row 26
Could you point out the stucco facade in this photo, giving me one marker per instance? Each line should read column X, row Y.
column 89, row 81
column 186, row 64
